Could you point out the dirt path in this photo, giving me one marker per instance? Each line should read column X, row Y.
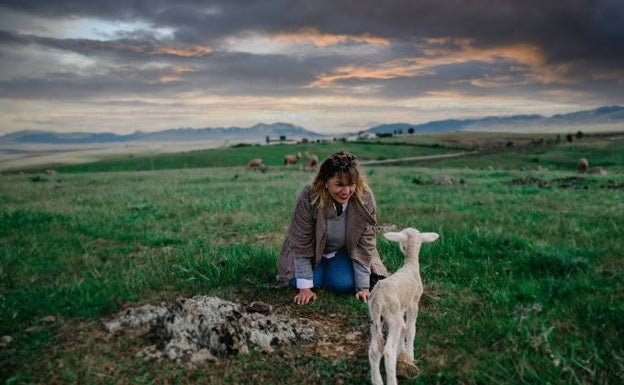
column 421, row 158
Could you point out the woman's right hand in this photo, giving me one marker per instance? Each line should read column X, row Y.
column 305, row 296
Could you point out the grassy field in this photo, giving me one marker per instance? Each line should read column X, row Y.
column 525, row 285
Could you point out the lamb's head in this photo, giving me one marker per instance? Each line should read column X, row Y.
column 410, row 239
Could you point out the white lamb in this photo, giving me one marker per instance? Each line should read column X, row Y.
column 394, row 301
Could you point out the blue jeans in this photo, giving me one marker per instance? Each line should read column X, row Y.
column 335, row 274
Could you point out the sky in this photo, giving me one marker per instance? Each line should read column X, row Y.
column 330, row 66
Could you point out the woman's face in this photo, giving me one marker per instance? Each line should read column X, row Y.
column 339, row 188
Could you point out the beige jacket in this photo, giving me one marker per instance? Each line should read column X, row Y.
column 308, row 230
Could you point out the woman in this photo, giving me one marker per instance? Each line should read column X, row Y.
column 331, row 238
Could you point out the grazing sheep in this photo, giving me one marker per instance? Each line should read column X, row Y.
column 394, row 301
column 311, row 161
column 292, row 159
column 582, row 165
column 256, row 162
column 257, row 165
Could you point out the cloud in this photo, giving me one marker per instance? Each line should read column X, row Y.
column 340, row 55
column 566, row 29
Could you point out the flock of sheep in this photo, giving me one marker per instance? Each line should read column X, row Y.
column 310, row 163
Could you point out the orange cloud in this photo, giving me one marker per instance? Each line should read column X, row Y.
column 442, row 51
column 188, row 51
column 176, row 74
column 323, row 39
column 183, row 51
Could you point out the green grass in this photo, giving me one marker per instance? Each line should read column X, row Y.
column 525, row 285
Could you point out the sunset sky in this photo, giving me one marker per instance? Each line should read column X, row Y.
column 330, row 66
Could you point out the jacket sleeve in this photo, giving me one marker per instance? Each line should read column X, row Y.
column 361, row 275
column 302, row 227
column 299, row 241
column 303, row 273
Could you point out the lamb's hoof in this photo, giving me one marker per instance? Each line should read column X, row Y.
column 406, row 368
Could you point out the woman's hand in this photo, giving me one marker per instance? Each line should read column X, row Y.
column 305, row 296
column 363, row 295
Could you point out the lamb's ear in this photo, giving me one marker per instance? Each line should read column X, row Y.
column 397, row 237
column 429, row 237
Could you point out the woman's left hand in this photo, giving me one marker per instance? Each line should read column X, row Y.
column 363, row 295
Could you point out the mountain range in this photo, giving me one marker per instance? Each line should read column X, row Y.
column 256, row 133
column 608, row 115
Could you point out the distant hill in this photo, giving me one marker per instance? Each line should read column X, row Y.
column 257, row 133
column 598, row 116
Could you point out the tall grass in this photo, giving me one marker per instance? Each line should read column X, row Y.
column 525, row 285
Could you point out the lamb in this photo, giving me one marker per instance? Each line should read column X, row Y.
column 394, row 301
column 292, row 159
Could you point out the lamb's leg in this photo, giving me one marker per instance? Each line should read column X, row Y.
column 406, row 367
column 395, row 326
column 411, row 315
column 375, row 351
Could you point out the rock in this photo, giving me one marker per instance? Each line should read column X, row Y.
column 135, row 317
column 205, row 328
column 259, row 307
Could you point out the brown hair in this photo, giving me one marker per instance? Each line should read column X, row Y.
column 343, row 164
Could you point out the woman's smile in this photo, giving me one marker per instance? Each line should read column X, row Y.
column 340, row 189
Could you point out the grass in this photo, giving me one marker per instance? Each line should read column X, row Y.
column 525, row 285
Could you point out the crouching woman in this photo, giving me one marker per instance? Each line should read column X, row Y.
column 331, row 241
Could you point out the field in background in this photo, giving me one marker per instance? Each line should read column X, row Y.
column 525, row 285
column 29, row 156
column 501, row 150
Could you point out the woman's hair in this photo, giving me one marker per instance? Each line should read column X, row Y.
column 345, row 166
